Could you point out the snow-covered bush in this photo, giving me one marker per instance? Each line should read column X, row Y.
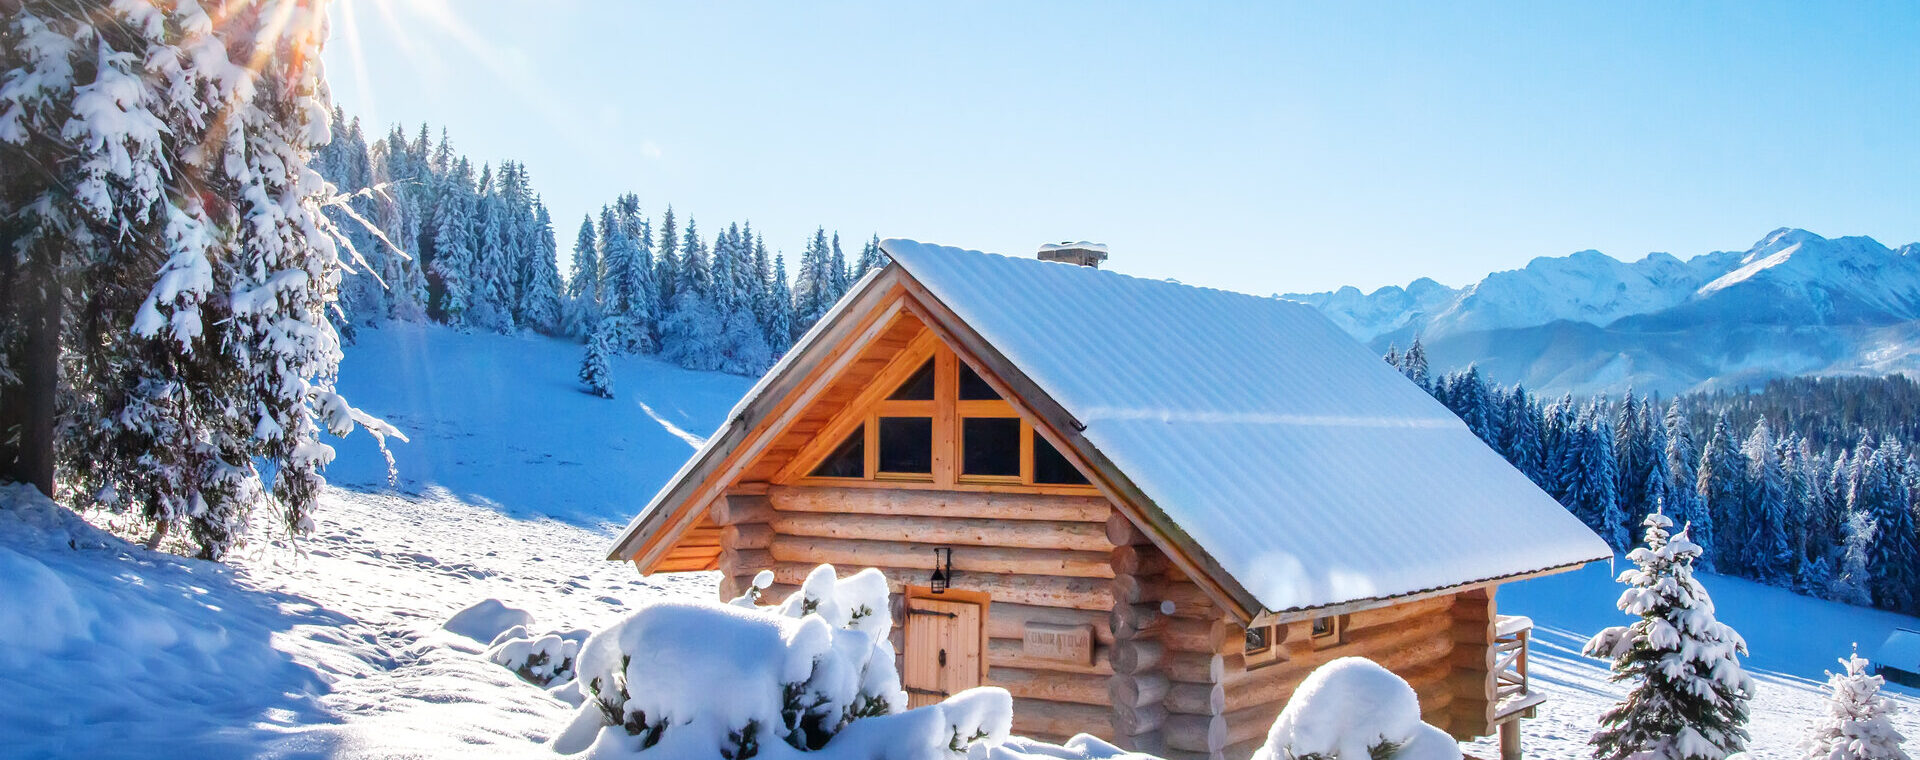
column 814, row 671
column 541, row 660
column 1689, row 694
column 1353, row 709
column 1856, row 726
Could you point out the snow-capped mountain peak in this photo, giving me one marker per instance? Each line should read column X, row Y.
column 1835, row 305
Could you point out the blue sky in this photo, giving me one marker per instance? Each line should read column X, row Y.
column 1263, row 148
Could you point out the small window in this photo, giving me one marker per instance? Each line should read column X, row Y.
column 1050, row 467
column 990, row 446
column 1328, row 631
column 906, row 445
column 917, row 387
column 848, row 460
column 973, row 387
column 1258, row 639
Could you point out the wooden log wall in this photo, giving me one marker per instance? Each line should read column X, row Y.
column 1415, row 640
column 1042, row 558
column 1474, row 624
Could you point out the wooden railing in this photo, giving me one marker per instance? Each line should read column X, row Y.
column 1511, row 692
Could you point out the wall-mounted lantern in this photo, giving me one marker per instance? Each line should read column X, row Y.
column 942, row 570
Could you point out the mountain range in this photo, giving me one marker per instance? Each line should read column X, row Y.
column 1795, row 303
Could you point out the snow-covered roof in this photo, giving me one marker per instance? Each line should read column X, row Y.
column 1901, row 650
column 1312, row 472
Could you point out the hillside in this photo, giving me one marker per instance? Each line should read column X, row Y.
column 1794, row 303
column 337, row 649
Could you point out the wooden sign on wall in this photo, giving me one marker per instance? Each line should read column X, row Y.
column 1063, row 643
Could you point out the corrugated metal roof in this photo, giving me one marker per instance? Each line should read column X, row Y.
column 1311, row 471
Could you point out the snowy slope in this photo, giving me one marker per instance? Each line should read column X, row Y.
column 1794, row 303
column 504, row 421
column 107, row 650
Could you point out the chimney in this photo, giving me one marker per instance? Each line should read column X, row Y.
column 1082, row 253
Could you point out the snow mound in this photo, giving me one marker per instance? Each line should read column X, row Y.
column 1353, row 709
column 541, row 660
column 1080, row 747
column 487, row 619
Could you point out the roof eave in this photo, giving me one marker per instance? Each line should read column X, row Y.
column 746, row 422
column 1372, row 602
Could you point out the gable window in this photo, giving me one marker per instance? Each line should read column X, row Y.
column 917, row 387
column 1050, row 467
column 1257, row 639
column 990, row 446
column 906, row 446
column 848, row 460
column 973, row 387
column 927, row 419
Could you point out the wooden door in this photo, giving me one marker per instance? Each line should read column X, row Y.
column 943, row 649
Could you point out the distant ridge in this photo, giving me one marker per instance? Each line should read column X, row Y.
column 1795, row 303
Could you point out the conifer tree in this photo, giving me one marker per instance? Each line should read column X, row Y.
column 1589, row 477
column 1856, row 725
column 666, row 268
column 1688, row 695
column 1416, row 363
column 595, row 370
column 871, row 258
column 1891, row 553
column 1722, row 495
column 837, row 271
column 583, row 286
column 454, row 254
column 1522, row 430
column 1854, row 584
column 1771, row 559
column 1681, row 496
column 540, row 302
column 780, row 310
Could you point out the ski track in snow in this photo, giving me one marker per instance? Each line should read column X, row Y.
column 692, row 440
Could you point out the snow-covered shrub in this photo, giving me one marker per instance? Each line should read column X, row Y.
column 1689, row 694
column 1856, row 726
column 1353, row 709
column 541, row 660
column 814, row 671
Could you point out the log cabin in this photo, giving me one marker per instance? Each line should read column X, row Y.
column 1145, row 509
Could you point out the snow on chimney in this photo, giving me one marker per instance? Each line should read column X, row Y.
column 1082, row 253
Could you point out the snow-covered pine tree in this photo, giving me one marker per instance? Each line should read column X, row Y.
column 493, row 265
column 1392, row 357
column 1681, row 496
column 1891, row 554
column 1556, row 434
column 1415, row 363
column 871, row 258
column 1522, row 431
column 171, row 232
column 1587, row 469
column 540, row 299
column 780, row 335
column 690, row 336
column 838, row 270
column 595, row 370
column 1688, row 695
column 666, row 264
column 583, row 282
column 813, row 283
column 1467, row 395
column 1854, row 584
column 1856, row 725
column 1723, row 496
column 453, row 245
column 1771, row 560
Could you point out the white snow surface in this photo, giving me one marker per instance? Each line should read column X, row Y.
column 111, row 651
column 1346, row 709
column 1312, row 472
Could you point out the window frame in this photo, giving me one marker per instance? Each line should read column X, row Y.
column 948, row 413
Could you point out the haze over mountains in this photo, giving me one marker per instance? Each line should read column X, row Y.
column 1794, row 304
